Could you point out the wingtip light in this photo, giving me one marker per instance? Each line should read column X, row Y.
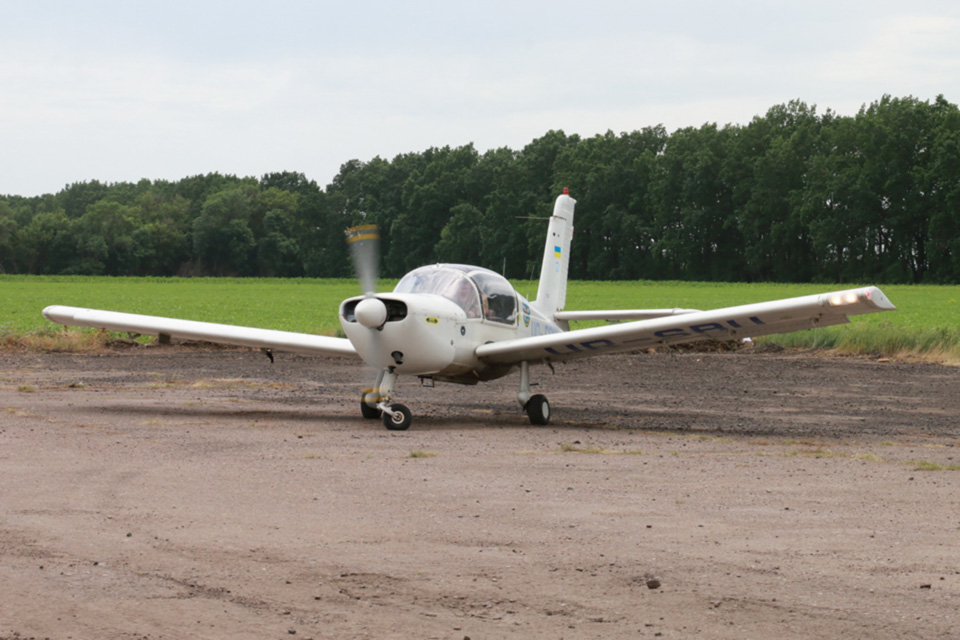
column 840, row 299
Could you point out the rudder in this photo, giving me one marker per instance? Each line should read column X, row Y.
column 552, row 291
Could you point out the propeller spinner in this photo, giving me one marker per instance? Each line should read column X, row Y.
column 371, row 312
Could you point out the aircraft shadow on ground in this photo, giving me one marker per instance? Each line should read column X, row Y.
column 473, row 417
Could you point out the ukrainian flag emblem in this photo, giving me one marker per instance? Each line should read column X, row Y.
column 556, row 252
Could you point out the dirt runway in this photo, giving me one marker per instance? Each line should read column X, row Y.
column 170, row 493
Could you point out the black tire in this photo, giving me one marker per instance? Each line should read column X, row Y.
column 538, row 410
column 400, row 420
column 368, row 412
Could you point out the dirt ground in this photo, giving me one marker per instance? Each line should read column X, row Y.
column 183, row 493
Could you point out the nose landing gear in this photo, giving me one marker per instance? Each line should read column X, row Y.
column 375, row 403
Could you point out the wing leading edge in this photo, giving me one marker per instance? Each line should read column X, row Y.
column 302, row 343
column 617, row 315
column 745, row 321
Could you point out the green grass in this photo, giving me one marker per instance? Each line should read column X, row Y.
column 927, row 320
column 926, row 465
column 571, row 448
column 304, row 305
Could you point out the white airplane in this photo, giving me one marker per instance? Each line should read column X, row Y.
column 464, row 324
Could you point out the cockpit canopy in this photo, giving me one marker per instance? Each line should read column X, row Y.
column 481, row 293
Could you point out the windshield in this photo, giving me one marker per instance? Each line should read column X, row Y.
column 449, row 283
column 479, row 292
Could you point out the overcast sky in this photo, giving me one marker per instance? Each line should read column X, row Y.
column 123, row 90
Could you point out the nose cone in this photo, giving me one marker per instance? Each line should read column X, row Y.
column 371, row 313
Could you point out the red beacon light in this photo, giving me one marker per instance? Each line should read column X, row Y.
column 566, row 191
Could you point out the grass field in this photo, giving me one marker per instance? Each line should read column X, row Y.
column 927, row 321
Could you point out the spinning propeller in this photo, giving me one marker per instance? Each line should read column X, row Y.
column 364, row 243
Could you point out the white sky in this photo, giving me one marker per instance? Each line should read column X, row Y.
column 123, row 90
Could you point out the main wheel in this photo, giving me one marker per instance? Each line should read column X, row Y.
column 538, row 409
column 400, row 420
column 368, row 412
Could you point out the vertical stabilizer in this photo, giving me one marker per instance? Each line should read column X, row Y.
column 552, row 292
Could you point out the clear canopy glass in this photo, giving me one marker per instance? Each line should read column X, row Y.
column 481, row 293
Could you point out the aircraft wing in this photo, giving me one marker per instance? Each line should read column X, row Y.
column 746, row 321
column 303, row 343
column 616, row 315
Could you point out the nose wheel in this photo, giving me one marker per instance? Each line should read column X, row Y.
column 397, row 417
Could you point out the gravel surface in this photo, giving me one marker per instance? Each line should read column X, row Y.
column 188, row 493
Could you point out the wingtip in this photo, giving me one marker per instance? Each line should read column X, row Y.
column 58, row 313
column 50, row 312
column 879, row 299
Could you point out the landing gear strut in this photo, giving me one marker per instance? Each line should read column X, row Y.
column 537, row 407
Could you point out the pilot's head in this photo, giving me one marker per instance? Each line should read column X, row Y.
column 464, row 292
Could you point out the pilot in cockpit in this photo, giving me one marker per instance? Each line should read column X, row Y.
column 466, row 297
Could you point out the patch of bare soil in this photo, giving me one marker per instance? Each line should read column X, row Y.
column 174, row 493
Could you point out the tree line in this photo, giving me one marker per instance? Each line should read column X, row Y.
column 793, row 196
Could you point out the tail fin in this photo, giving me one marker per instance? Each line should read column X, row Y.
column 552, row 292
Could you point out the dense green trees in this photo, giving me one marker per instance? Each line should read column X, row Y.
column 792, row 196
